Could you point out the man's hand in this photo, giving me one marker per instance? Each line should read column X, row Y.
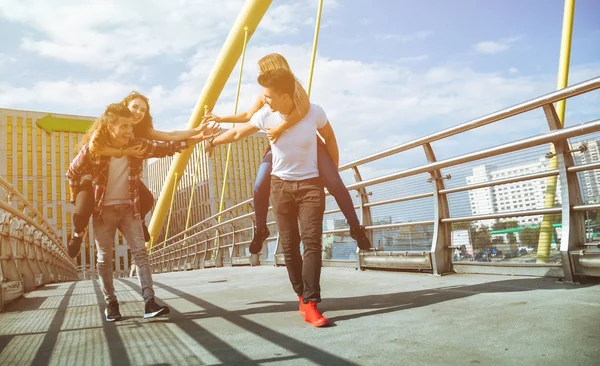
column 209, row 130
column 136, row 151
column 273, row 133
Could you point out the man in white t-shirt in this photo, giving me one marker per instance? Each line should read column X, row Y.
column 296, row 189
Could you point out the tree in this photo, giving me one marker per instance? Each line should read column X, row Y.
column 512, row 239
column 461, row 226
column 481, row 237
column 530, row 236
column 503, row 225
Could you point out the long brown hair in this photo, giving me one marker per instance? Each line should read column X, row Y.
column 142, row 128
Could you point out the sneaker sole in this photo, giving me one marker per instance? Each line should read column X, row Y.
column 163, row 311
column 319, row 323
column 110, row 320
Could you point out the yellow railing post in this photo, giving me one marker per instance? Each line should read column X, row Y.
column 235, row 108
column 171, row 206
column 545, row 238
column 313, row 56
column 195, row 181
column 249, row 17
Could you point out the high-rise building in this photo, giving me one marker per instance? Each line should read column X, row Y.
column 38, row 148
column 529, row 195
column 244, row 160
column 589, row 179
column 518, row 196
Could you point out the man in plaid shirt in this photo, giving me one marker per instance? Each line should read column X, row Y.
column 116, row 183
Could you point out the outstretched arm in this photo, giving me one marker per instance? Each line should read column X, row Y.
column 158, row 149
column 172, row 135
column 240, row 117
column 235, row 134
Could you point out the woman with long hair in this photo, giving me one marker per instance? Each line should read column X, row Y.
column 139, row 106
column 328, row 169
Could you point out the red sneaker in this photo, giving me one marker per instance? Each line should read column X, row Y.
column 313, row 316
column 301, row 307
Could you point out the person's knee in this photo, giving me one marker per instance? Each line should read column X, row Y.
column 262, row 185
column 140, row 256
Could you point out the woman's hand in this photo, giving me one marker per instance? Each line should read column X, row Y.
column 136, row 151
column 211, row 118
column 273, row 133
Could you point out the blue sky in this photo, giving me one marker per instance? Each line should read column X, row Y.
column 386, row 72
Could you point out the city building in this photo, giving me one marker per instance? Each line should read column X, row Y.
column 38, row 148
column 589, row 179
column 244, row 160
column 518, row 196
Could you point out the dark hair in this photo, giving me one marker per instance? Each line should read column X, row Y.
column 98, row 134
column 281, row 80
column 142, row 128
column 118, row 110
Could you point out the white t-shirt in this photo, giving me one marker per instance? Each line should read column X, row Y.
column 117, row 186
column 295, row 152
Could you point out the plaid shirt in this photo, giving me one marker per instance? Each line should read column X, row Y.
column 86, row 163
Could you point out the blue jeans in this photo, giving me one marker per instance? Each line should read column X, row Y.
column 105, row 227
column 327, row 171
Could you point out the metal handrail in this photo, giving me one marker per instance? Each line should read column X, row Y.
column 549, row 137
column 502, row 215
column 538, row 102
column 582, row 129
column 9, row 187
column 29, row 221
column 498, row 182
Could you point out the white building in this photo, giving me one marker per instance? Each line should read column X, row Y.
column 528, row 195
column 519, row 196
column 589, row 180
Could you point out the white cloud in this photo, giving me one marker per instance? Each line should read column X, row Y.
column 405, row 38
column 493, row 47
column 66, row 96
column 513, row 70
column 413, row 58
column 5, row 59
column 111, row 34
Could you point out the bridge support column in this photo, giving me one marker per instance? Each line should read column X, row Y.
column 441, row 256
column 573, row 222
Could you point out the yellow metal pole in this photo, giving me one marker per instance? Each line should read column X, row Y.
column 249, row 17
column 198, row 158
column 314, row 49
column 235, row 108
column 545, row 238
column 171, row 206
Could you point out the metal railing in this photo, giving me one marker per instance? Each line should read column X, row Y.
column 31, row 253
column 209, row 243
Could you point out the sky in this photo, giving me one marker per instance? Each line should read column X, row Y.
column 386, row 71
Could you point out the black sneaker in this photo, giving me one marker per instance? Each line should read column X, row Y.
column 362, row 240
column 146, row 232
column 74, row 245
column 260, row 235
column 112, row 311
column 152, row 309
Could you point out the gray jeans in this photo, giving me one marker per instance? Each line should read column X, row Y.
column 105, row 227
